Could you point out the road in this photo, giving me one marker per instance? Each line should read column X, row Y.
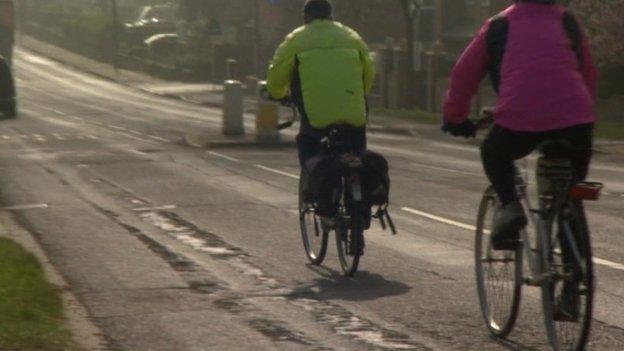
column 173, row 247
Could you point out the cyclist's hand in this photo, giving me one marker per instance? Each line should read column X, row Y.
column 264, row 93
column 466, row 129
column 266, row 96
column 286, row 101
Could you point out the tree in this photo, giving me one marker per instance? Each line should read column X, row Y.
column 604, row 20
column 411, row 12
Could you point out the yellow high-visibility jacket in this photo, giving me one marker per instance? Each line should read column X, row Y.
column 333, row 69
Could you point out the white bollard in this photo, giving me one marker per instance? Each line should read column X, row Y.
column 233, row 108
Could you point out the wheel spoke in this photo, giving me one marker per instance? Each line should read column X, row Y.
column 496, row 274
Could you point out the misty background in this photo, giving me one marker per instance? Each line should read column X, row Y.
column 414, row 42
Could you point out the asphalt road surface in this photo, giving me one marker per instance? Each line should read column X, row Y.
column 174, row 247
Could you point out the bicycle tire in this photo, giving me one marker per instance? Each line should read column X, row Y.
column 350, row 241
column 499, row 300
column 315, row 249
column 560, row 333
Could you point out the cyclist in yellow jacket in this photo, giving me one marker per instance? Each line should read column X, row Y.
column 327, row 70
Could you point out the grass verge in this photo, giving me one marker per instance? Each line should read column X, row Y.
column 610, row 130
column 31, row 311
column 605, row 128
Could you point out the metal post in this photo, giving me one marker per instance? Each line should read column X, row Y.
column 231, row 68
column 436, row 53
column 115, row 34
column 233, row 108
column 257, row 45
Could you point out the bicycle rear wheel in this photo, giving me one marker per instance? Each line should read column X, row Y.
column 498, row 273
column 350, row 240
column 571, row 286
column 314, row 237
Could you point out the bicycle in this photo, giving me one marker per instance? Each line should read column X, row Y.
column 558, row 249
column 352, row 216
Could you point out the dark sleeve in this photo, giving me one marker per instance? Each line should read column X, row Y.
column 580, row 45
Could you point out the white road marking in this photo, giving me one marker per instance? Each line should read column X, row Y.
column 225, row 157
column 439, row 219
column 38, row 60
column 158, row 138
column 277, row 171
column 135, row 132
column 157, row 208
column 445, row 169
column 597, row 260
column 58, row 136
column 24, row 207
column 39, row 137
column 6, row 137
column 609, row 264
column 118, row 127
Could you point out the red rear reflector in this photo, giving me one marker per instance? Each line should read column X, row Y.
column 586, row 191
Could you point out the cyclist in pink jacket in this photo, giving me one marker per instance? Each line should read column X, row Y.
column 539, row 61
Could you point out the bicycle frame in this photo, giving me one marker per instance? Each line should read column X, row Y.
column 539, row 220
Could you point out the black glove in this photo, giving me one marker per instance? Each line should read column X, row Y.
column 466, row 129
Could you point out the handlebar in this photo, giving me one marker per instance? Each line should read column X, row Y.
column 486, row 120
column 287, row 102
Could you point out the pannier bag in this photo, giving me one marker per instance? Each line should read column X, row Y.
column 375, row 178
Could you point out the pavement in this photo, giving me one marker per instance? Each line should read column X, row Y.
column 174, row 246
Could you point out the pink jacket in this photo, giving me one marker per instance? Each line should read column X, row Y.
column 542, row 85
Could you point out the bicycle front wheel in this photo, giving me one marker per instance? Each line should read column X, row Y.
column 567, row 296
column 314, row 237
column 498, row 273
column 350, row 241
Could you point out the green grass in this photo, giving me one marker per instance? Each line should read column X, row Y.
column 31, row 311
column 610, row 130
column 611, row 127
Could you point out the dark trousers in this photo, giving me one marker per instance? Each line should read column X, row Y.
column 309, row 142
column 502, row 147
column 324, row 172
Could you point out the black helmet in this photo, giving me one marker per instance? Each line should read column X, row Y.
column 317, row 9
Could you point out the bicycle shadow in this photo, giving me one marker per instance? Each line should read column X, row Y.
column 364, row 286
column 513, row 345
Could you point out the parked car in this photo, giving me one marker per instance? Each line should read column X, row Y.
column 8, row 101
column 7, row 30
column 152, row 20
column 165, row 47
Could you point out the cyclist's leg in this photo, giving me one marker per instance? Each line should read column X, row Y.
column 499, row 150
column 308, row 147
column 359, row 142
column 581, row 139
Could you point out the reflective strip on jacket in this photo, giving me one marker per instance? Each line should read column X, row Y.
column 334, row 70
